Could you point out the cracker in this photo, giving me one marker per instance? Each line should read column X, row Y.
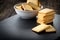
column 40, row 28
column 26, row 7
column 50, row 29
column 19, row 7
column 45, row 17
column 46, row 11
column 34, row 6
column 35, row 2
column 44, row 21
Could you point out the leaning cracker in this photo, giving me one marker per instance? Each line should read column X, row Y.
column 50, row 29
column 35, row 2
column 34, row 6
column 40, row 28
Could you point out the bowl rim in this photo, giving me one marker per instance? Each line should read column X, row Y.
column 25, row 10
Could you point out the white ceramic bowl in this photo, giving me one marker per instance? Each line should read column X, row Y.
column 25, row 14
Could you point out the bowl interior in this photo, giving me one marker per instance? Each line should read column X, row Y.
column 23, row 3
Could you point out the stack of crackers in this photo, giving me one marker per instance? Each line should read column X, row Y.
column 44, row 17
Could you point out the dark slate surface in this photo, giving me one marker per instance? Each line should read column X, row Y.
column 17, row 28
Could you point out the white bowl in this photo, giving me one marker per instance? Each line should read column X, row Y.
column 25, row 14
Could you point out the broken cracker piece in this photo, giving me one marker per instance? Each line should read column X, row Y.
column 19, row 7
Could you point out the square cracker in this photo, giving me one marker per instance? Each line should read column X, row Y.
column 35, row 2
column 50, row 29
column 45, row 17
column 40, row 28
column 46, row 11
column 44, row 21
column 34, row 6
